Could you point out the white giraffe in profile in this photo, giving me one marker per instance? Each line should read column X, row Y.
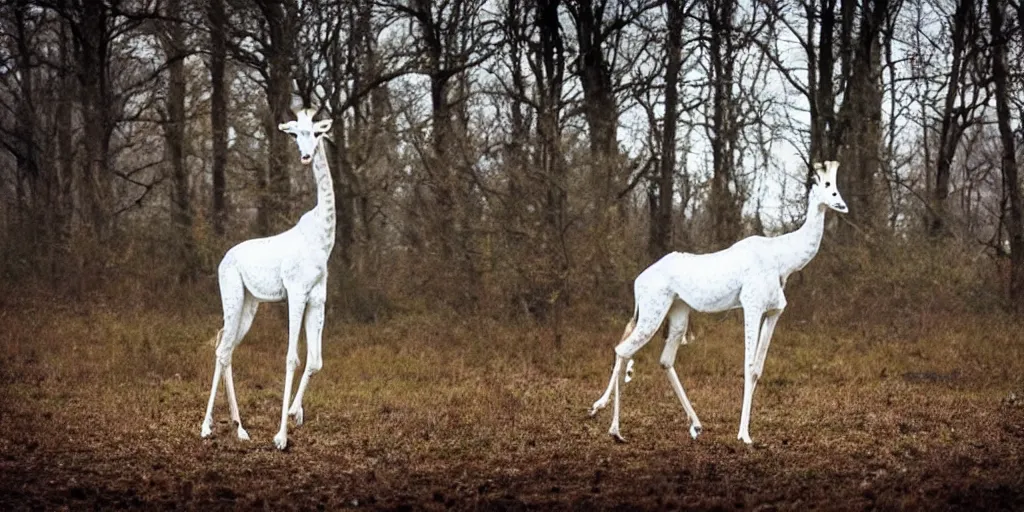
column 751, row 274
column 289, row 266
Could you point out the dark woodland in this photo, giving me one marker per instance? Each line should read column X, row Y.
column 502, row 171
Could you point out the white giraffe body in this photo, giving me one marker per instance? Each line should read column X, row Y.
column 751, row 274
column 711, row 283
column 298, row 255
column 289, row 266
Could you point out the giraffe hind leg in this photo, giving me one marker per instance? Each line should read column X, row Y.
column 314, row 324
column 651, row 311
column 249, row 307
column 232, row 296
column 678, row 319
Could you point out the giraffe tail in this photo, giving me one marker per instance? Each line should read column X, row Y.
column 215, row 340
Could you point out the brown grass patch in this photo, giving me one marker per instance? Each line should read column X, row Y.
column 101, row 407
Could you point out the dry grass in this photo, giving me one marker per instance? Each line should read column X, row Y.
column 101, row 406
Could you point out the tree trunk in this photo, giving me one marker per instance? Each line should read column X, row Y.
column 62, row 202
column 599, row 106
column 275, row 204
column 723, row 202
column 341, row 174
column 355, row 66
column 174, row 136
column 218, row 111
column 92, row 44
column 950, row 130
column 821, row 88
column 441, row 26
column 859, row 138
column 438, row 170
column 31, row 205
column 661, row 211
column 1014, row 220
column 552, row 57
column 550, row 85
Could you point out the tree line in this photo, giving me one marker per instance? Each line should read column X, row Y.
column 529, row 152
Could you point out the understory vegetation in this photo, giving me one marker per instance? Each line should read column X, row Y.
column 894, row 381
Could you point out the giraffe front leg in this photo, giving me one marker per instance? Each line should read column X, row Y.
column 767, row 329
column 314, row 357
column 295, row 309
column 751, row 330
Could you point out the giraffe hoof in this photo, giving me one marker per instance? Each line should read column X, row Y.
column 242, row 434
column 297, row 415
column 281, row 440
column 618, row 437
column 695, row 430
column 206, row 430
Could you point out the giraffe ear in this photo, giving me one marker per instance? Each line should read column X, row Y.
column 286, row 127
column 831, row 167
column 323, row 126
column 816, row 170
column 823, row 172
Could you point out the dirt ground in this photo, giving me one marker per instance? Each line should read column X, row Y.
column 101, row 407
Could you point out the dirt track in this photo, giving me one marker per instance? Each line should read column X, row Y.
column 104, row 413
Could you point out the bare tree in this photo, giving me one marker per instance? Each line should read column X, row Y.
column 113, row 86
column 960, row 108
column 661, row 219
column 262, row 36
column 216, row 18
column 813, row 27
column 1000, row 33
column 172, row 39
column 452, row 40
column 20, row 137
column 599, row 27
column 535, row 209
column 723, row 130
column 548, row 63
column 858, row 138
column 356, row 75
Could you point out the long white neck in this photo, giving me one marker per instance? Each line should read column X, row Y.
column 325, row 212
column 798, row 248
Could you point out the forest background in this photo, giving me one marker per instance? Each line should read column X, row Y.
column 503, row 169
column 513, row 158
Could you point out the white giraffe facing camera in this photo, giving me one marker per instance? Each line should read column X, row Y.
column 751, row 274
column 289, row 266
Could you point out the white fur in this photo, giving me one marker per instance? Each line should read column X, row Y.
column 751, row 275
column 291, row 265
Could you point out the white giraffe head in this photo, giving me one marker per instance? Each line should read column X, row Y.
column 824, row 189
column 306, row 132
